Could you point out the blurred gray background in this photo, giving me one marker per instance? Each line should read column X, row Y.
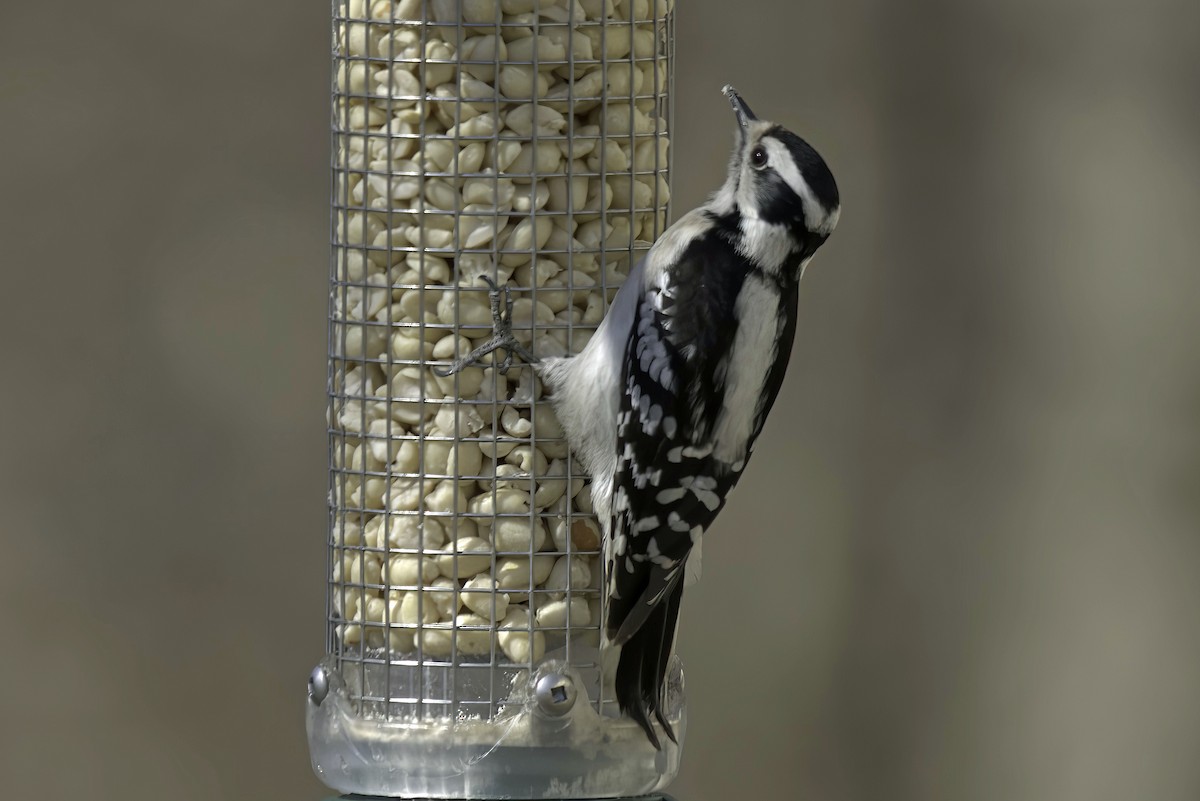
column 962, row 566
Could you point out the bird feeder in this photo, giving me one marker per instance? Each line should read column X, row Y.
column 520, row 144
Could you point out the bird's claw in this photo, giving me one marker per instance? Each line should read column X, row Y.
column 502, row 336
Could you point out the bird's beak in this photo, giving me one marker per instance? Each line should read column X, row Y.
column 744, row 115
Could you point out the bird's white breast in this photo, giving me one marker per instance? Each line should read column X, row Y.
column 750, row 359
column 586, row 390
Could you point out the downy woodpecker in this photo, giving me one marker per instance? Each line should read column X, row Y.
column 663, row 405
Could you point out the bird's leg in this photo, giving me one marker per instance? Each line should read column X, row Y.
column 502, row 336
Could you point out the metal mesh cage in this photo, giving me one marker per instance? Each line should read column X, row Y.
column 522, row 142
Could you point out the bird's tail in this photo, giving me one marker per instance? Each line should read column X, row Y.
column 642, row 666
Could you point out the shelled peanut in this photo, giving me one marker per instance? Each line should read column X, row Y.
column 524, row 143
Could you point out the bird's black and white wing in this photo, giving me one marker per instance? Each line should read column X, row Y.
column 670, row 482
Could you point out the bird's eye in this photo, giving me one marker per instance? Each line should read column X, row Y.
column 758, row 157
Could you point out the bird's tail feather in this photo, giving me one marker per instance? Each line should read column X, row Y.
column 642, row 666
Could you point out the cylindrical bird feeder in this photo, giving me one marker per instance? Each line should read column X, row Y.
column 522, row 143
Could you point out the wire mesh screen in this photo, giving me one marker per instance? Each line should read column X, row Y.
column 525, row 142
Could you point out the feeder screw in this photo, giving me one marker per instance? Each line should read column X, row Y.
column 555, row 694
column 318, row 685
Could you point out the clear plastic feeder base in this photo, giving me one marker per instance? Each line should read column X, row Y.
column 525, row 752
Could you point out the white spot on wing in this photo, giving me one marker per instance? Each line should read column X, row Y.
column 670, row 495
column 710, row 499
column 677, row 523
column 657, row 557
column 651, row 419
column 647, row 524
column 621, row 502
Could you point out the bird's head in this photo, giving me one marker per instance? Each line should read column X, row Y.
column 777, row 178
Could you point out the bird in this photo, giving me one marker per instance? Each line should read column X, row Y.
column 663, row 405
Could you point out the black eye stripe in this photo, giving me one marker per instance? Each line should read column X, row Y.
column 777, row 202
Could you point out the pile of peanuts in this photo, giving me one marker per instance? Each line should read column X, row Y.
column 522, row 142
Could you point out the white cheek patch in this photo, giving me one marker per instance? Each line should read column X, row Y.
column 780, row 160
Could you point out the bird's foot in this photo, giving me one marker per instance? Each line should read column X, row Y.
column 502, row 336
